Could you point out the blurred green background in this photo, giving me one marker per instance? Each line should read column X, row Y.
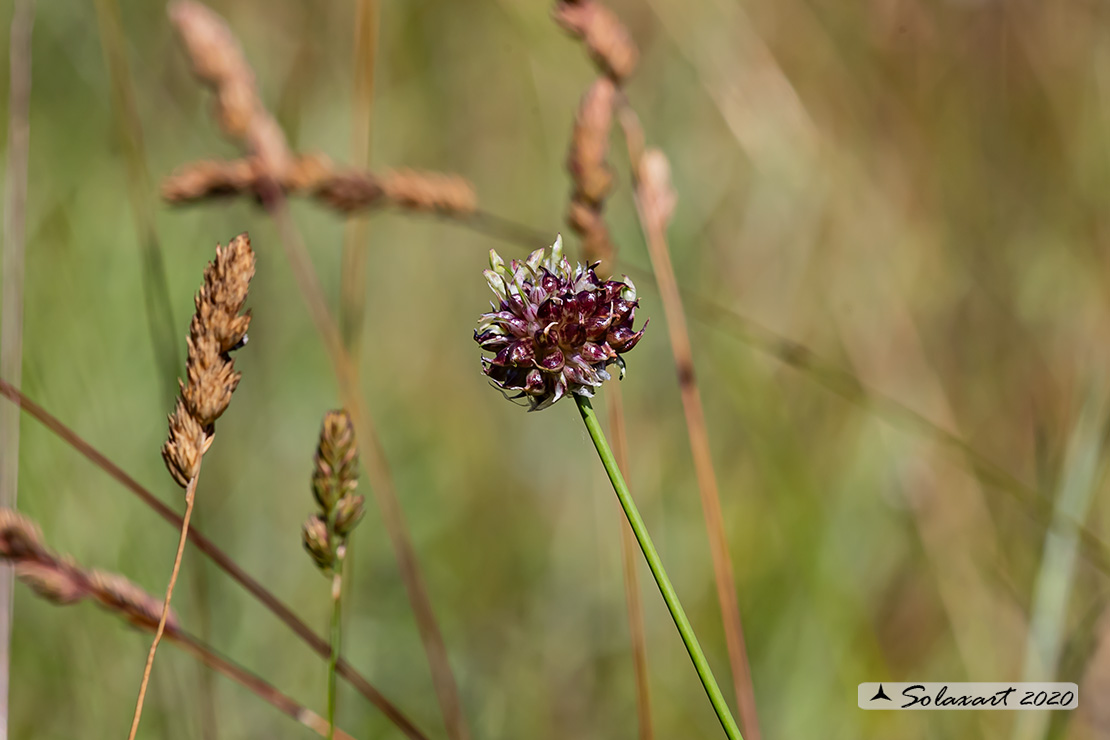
column 915, row 190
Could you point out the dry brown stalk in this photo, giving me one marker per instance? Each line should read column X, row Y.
column 629, row 560
column 352, row 287
column 60, row 580
column 216, row 330
column 591, row 174
column 655, row 201
column 218, row 556
column 218, row 62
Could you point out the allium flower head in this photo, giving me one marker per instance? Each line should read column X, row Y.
column 553, row 329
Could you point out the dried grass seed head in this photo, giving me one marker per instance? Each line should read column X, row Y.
column 116, row 593
column 52, row 583
column 429, row 191
column 216, row 329
column 226, row 283
column 186, row 444
column 208, row 178
column 213, row 50
column 20, row 538
column 218, row 61
column 211, row 381
column 589, row 144
column 609, row 43
column 62, row 581
column 657, row 193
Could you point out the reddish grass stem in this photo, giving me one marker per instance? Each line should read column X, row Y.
column 216, row 555
column 240, row 675
column 654, row 214
column 353, row 278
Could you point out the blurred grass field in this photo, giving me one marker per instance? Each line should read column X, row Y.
column 916, row 191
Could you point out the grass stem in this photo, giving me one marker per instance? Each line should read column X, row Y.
column 336, row 635
column 685, row 630
column 260, row 688
column 190, row 495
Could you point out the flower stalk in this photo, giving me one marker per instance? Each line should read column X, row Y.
column 325, row 533
column 553, row 331
column 685, row 630
column 336, row 635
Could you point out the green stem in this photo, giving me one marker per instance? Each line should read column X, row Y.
column 336, row 634
column 701, row 665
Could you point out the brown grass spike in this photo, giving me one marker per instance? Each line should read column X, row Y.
column 216, row 330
